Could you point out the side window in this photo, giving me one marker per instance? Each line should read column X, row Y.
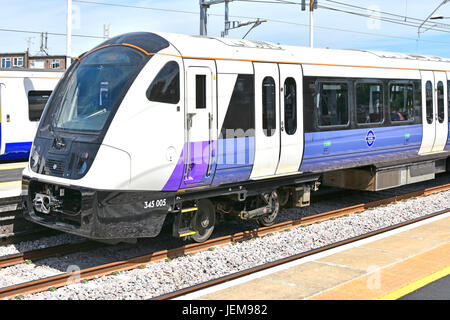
column 401, row 101
column 166, row 85
column 36, row 103
column 240, row 117
column 429, row 101
column 269, row 106
column 440, row 97
column 290, row 106
column 200, row 91
column 369, row 103
column 332, row 104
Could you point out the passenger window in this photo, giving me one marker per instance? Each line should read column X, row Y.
column 332, row 104
column 240, row 116
column 166, row 85
column 429, row 101
column 440, row 97
column 269, row 106
column 36, row 103
column 401, row 101
column 290, row 106
column 369, row 103
column 200, row 91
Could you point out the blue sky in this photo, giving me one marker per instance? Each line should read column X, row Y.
column 50, row 16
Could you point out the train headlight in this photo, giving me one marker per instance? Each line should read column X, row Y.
column 34, row 158
column 82, row 163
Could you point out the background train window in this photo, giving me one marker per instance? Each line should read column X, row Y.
column 401, row 101
column 448, row 100
column 332, row 104
column 240, row 116
column 166, row 85
column 36, row 103
column 369, row 103
column 440, row 96
column 429, row 101
column 200, row 91
column 290, row 106
column 269, row 106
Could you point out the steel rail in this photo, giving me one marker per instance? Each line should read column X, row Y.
column 128, row 264
column 269, row 265
column 39, row 254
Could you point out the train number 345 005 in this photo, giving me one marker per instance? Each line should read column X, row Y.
column 154, row 204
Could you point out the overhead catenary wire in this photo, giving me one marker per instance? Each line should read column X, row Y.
column 287, row 2
column 381, row 35
column 50, row 33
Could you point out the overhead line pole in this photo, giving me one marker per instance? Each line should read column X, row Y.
column 69, row 34
column 311, row 24
column 431, row 14
column 204, row 5
column 312, row 6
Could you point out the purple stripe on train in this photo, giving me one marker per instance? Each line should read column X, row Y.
column 231, row 161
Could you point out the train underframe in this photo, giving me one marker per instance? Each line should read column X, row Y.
column 115, row 216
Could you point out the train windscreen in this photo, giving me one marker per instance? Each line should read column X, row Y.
column 95, row 88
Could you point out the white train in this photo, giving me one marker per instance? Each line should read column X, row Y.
column 148, row 125
column 23, row 95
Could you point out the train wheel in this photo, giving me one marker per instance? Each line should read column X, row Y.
column 203, row 221
column 274, row 202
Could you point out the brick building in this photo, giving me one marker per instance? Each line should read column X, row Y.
column 24, row 60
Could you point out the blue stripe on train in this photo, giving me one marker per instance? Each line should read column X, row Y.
column 235, row 158
column 16, row 151
column 344, row 148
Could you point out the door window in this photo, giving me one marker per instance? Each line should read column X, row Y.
column 440, row 96
column 200, row 91
column 429, row 101
column 290, row 106
column 269, row 106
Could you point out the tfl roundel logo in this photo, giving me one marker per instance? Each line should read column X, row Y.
column 370, row 138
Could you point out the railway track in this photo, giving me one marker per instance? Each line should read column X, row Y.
column 138, row 262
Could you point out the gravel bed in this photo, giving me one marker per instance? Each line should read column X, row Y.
column 163, row 277
column 41, row 243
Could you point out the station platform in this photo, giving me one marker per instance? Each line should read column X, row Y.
column 388, row 266
column 11, row 179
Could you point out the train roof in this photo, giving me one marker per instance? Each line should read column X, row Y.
column 249, row 50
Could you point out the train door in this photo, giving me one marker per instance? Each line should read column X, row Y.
column 440, row 111
column 434, row 114
column 291, row 118
column 201, row 128
column 267, row 124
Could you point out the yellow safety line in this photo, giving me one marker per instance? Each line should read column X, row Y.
column 14, row 167
column 10, row 182
column 416, row 284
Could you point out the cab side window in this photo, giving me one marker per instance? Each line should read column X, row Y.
column 166, row 85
